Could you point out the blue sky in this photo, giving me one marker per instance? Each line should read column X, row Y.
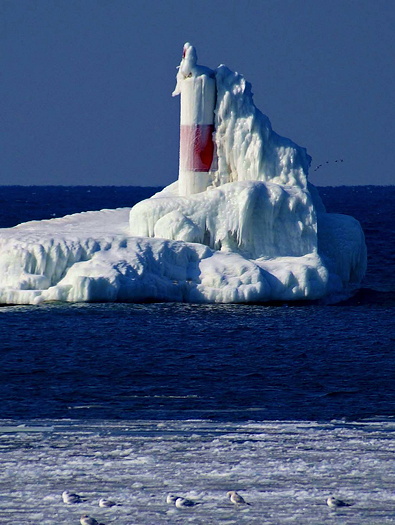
column 85, row 94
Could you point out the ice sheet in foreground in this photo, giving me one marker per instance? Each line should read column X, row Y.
column 286, row 470
column 258, row 232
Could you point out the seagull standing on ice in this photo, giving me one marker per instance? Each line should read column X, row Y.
column 87, row 520
column 103, row 502
column 236, row 498
column 70, row 497
column 182, row 503
column 334, row 503
column 171, row 499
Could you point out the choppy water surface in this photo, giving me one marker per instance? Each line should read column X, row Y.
column 225, row 362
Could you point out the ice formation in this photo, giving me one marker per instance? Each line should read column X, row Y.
column 256, row 232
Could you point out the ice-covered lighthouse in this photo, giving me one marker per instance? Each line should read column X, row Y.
column 260, row 234
column 197, row 87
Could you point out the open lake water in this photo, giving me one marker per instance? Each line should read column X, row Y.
column 286, row 403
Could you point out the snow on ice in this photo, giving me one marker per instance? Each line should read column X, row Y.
column 285, row 470
column 259, row 231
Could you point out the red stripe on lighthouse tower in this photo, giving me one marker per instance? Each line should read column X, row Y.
column 196, row 147
column 198, row 96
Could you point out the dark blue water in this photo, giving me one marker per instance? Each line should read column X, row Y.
column 224, row 362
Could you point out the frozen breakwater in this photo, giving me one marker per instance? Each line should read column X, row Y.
column 255, row 231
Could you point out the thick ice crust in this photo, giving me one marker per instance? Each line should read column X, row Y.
column 259, row 232
column 92, row 257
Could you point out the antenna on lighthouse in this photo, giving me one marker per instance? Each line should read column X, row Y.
column 197, row 87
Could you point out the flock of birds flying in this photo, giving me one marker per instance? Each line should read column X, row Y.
column 178, row 501
column 327, row 162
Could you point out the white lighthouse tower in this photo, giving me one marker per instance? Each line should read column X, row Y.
column 197, row 87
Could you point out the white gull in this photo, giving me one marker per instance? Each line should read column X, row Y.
column 70, row 497
column 88, row 520
column 182, row 503
column 236, row 498
column 333, row 503
column 103, row 502
column 171, row 499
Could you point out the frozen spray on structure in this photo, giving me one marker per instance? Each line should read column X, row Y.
column 197, row 87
